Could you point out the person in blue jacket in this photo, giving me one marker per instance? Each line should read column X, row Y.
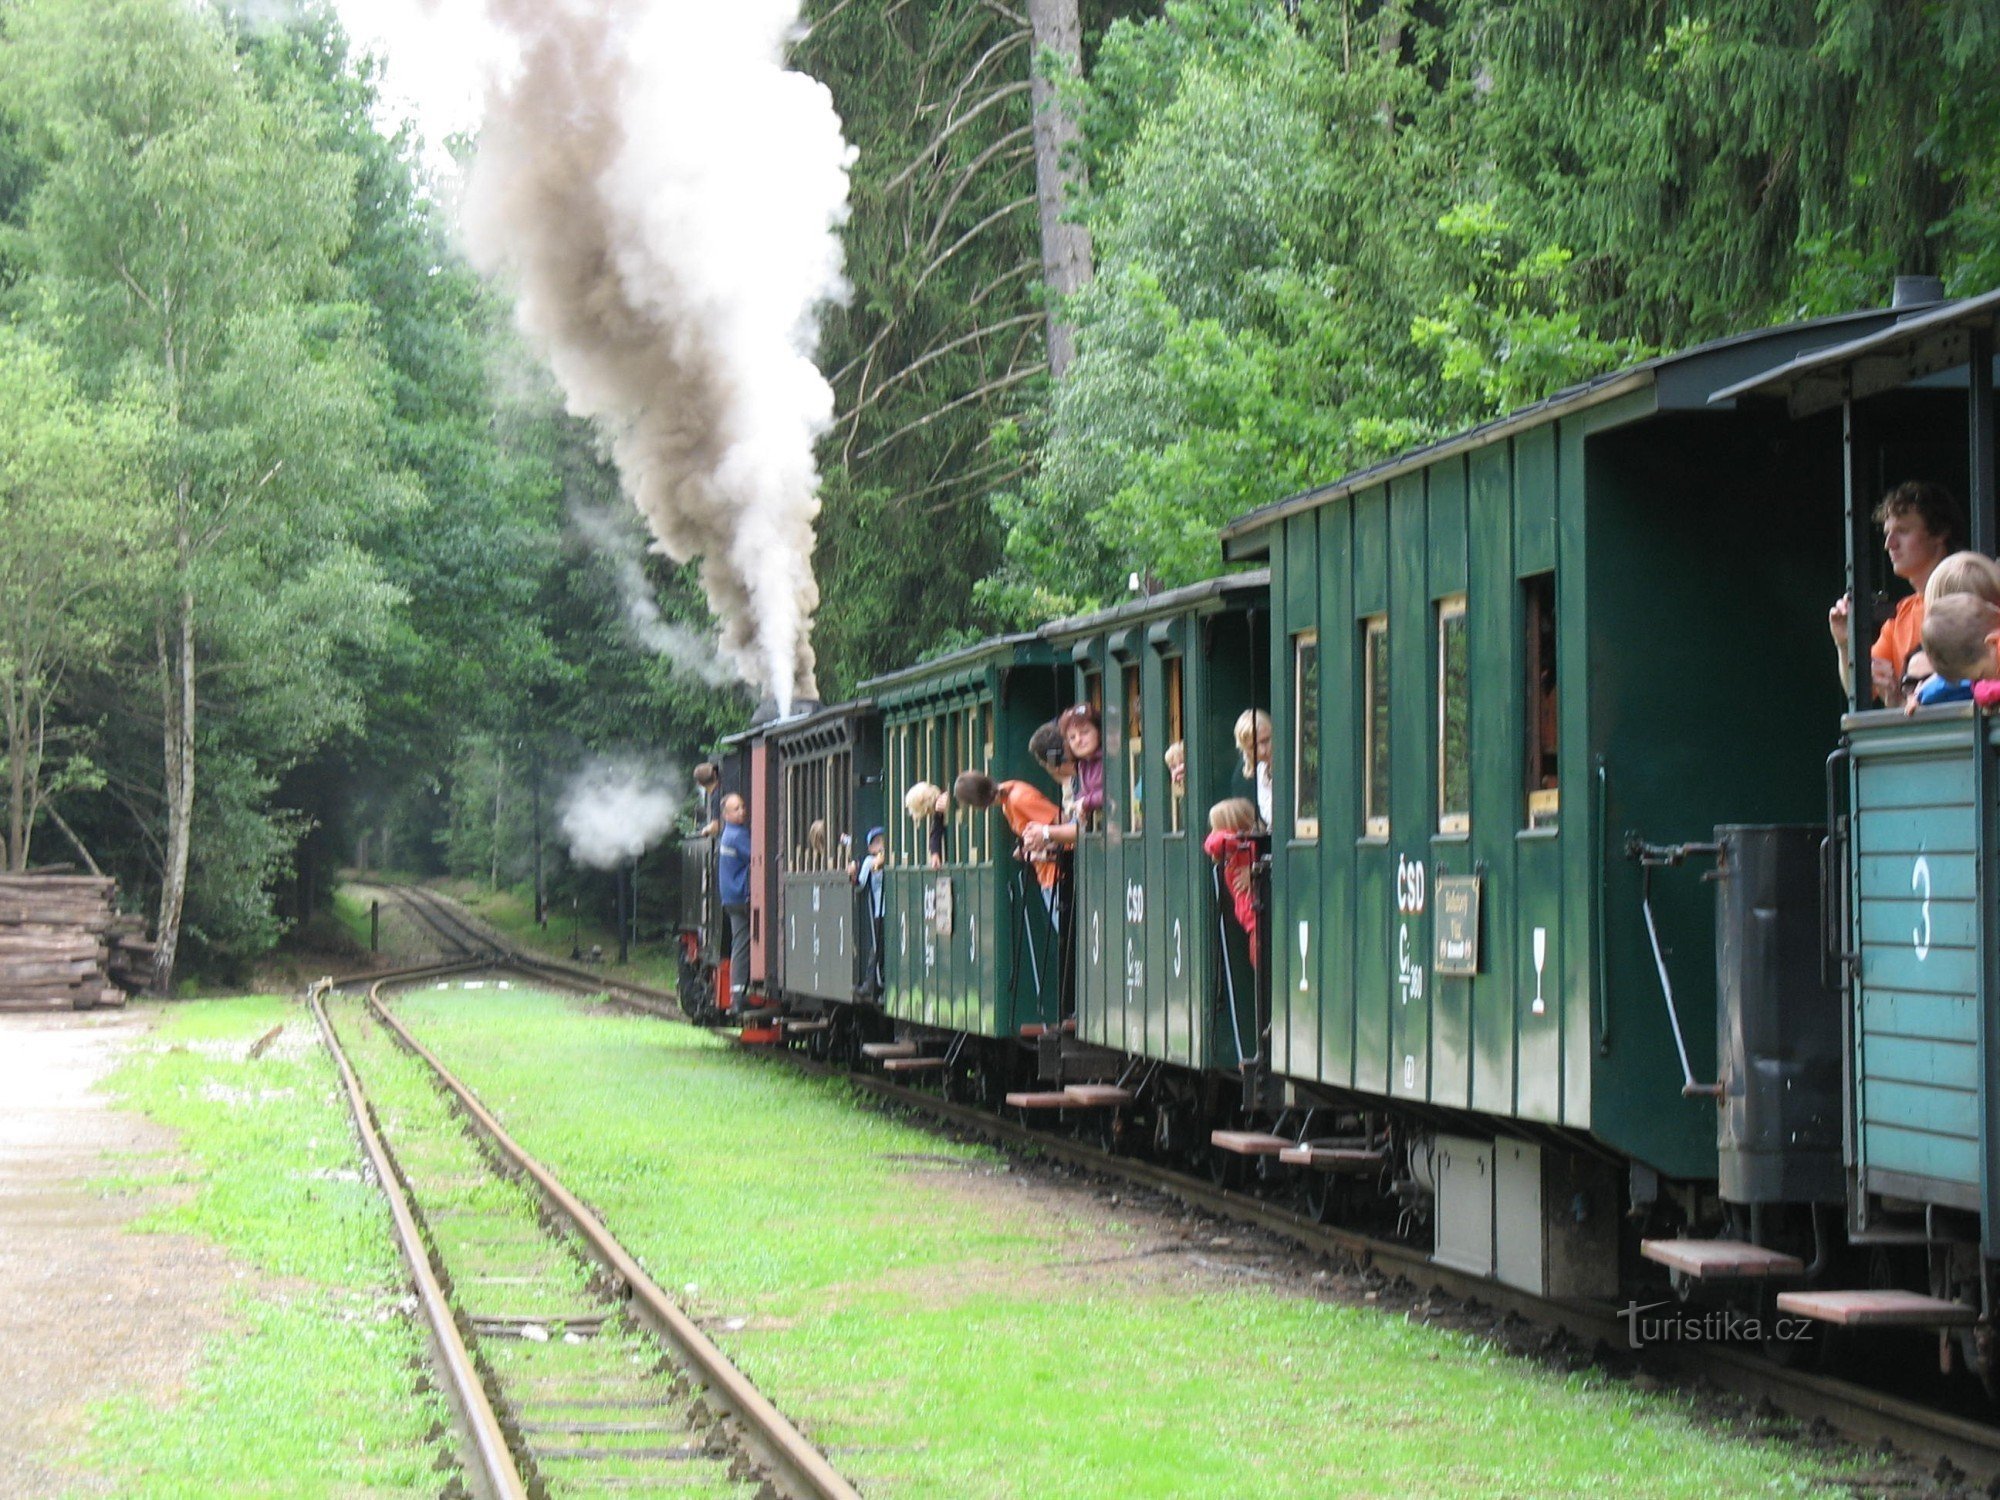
column 733, row 882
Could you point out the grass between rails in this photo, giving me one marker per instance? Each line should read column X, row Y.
column 945, row 1343
column 316, row 1393
column 482, row 1222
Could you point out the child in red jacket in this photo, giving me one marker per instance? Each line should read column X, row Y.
column 1231, row 823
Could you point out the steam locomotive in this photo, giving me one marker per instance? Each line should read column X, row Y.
column 1605, row 943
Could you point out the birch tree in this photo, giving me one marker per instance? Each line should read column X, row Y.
column 183, row 232
column 78, row 524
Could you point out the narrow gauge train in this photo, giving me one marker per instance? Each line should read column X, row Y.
column 1598, row 945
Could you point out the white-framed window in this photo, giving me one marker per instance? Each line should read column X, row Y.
column 1375, row 726
column 1305, row 734
column 1454, row 718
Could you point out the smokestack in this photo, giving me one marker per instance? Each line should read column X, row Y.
column 664, row 196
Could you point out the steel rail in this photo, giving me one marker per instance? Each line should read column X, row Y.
column 489, row 1440
column 789, row 1455
column 1863, row 1414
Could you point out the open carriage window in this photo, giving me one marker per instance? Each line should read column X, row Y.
column 1544, row 797
column 1454, row 719
column 1375, row 725
column 1176, row 750
column 1135, row 750
column 1305, row 734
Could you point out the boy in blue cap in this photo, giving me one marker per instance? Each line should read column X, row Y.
column 867, row 877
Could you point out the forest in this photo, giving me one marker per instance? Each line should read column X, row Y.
column 307, row 567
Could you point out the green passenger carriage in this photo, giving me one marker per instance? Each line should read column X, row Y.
column 1159, row 962
column 1519, row 651
column 829, row 788
column 969, row 947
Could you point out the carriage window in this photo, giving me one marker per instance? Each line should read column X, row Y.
column 905, row 767
column 1454, row 719
column 1135, row 750
column 1375, row 725
column 1176, row 748
column 1305, row 734
column 1544, row 800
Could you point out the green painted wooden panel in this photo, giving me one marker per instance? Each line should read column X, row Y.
column 1446, row 532
column 1935, row 923
column 1947, row 971
column 1413, row 782
column 1178, row 939
column 1579, row 841
column 1945, row 1018
column 1340, row 796
column 1896, row 1059
column 1539, row 905
column 1919, row 1106
column 1953, row 876
column 1371, row 551
column 1374, row 963
column 1891, row 1148
column 1923, row 830
column 1927, row 781
column 1450, row 1000
column 1495, row 617
column 1295, row 986
column 1535, row 501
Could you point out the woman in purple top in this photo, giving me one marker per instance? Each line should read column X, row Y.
column 1084, row 740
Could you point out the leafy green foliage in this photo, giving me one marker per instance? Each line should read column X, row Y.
column 79, row 527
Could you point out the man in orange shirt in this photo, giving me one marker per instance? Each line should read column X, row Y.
column 1020, row 804
column 1921, row 526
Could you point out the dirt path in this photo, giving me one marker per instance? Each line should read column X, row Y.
column 86, row 1309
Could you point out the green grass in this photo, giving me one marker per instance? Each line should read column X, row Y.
column 351, row 913
column 315, row 1392
column 933, row 1342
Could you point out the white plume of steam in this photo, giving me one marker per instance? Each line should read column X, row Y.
column 691, row 652
column 614, row 810
column 664, row 196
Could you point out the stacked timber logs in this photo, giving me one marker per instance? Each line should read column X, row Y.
column 63, row 941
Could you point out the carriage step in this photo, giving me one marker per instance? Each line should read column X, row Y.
column 881, row 1050
column 1248, row 1142
column 1719, row 1260
column 1035, row 1029
column 1098, row 1095
column 1333, row 1158
column 1040, row 1101
column 806, row 1028
column 911, row 1064
column 1890, row 1309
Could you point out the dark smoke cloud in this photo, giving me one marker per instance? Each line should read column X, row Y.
column 663, row 196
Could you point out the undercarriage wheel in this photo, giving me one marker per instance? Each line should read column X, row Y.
column 1225, row 1168
column 1320, row 1194
column 960, row 1084
column 992, row 1081
column 819, row 1044
column 1173, row 1131
column 1981, row 1353
column 845, row 1048
column 1110, row 1131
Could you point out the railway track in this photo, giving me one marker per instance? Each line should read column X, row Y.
column 572, row 1372
column 1970, row 1447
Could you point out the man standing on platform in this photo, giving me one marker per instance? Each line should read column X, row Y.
column 733, row 879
